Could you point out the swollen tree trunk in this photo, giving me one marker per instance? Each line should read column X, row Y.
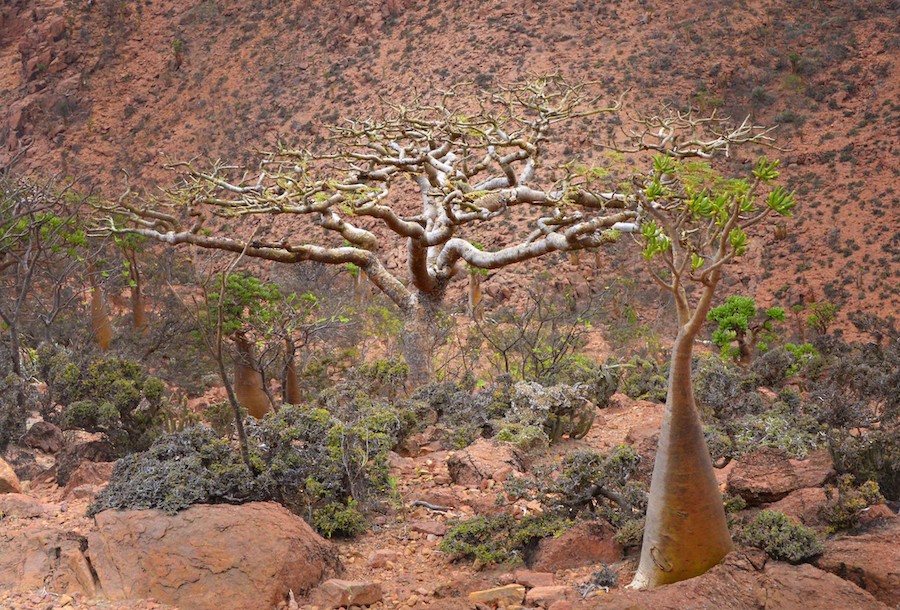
column 417, row 340
column 290, row 383
column 248, row 383
column 476, row 307
column 101, row 328
column 686, row 532
column 138, row 309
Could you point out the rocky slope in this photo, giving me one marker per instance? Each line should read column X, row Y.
column 95, row 87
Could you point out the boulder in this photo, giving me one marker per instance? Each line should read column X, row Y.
column 20, row 506
column 9, row 482
column 82, row 447
column 215, row 557
column 44, row 436
column 871, row 560
column 766, row 475
column 587, row 543
column 815, row 470
column 31, row 464
column 802, row 505
column 747, row 580
column 89, row 475
column 544, row 597
column 41, row 557
column 481, row 459
column 336, row 593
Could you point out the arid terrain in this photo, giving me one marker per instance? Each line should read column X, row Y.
column 92, row 90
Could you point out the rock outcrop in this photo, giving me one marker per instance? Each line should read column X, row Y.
column 747, row 580
column 210, row 557
column 871, row 560
column 484, row 459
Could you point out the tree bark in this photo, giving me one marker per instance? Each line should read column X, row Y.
column 417, row 341
column 101, row 328
column 247, row 380
column 476, row 307
column 686, row 532
column 290, row 383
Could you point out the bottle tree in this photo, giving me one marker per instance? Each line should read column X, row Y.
column 693, row 222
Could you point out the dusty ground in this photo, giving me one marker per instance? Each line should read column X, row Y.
column 419, row 576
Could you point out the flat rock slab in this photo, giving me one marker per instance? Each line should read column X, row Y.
column 20, row 506
column 767, row 475
column 510, row 594
column 747, row 580
column 41, row 557
column 482, row 460
column 210, row 557
column 871, row 560
column 337, row 593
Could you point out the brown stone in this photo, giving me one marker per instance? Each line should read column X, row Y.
column 381, row 557
column 587, row 543
column 766, row 475
column 802, row 505
column 871, row 560
column 82, row 447
column 336, row 593
column 509, row 594
column 876, row 513
column 44, row 557
column 209, row 557
column 94, row 474
column 56, row 28
column 429, row 527
column 737, row 583
column 532, row 579
column 815, row 470
column 481, row 459
column 9, row 482
column 21, row 506
column 544, row 596
column 44, row 436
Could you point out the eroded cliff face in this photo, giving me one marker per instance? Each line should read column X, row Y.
column 92, row 87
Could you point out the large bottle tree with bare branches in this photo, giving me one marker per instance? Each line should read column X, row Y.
column 428, row 176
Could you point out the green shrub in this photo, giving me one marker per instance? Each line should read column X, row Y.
column 846, row 501
column 772, row 532
column 12, row 416
column 873, row 456
column 220, row 417
column 784, row 427
column 339, row 520
column 500, row 538
column 115, row 397
column 595, row 382
column 190, row 467
column 645, row 380
column 542, row 415
column 721, row 389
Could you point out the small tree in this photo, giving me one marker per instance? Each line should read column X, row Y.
column 740, row 322
column 696, row 223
